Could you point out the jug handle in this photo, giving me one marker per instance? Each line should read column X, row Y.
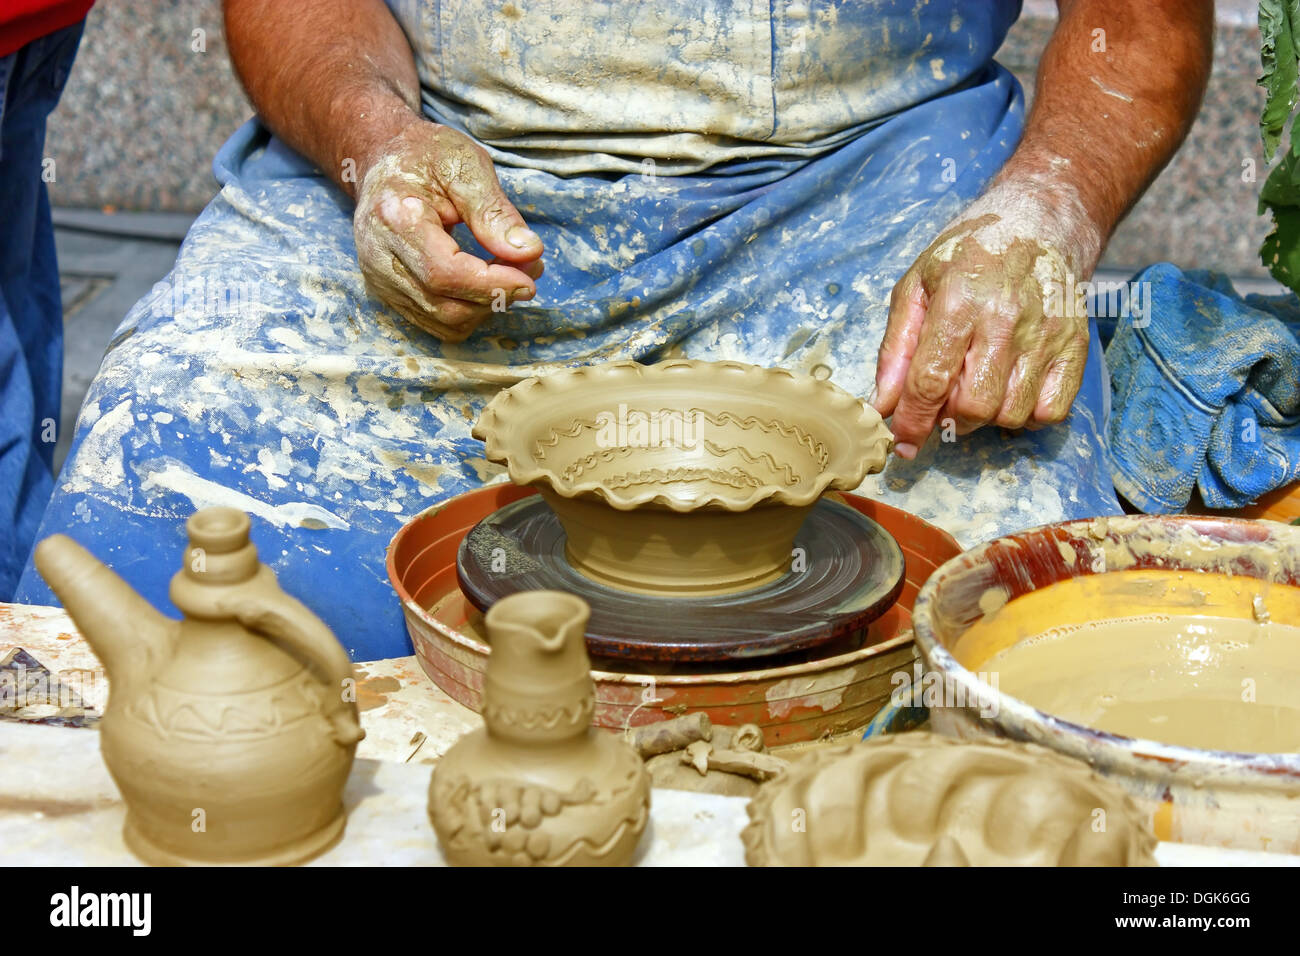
column 288, row 623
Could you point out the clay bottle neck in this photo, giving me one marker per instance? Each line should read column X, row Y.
column 219, row 561
column 550, row 719
column 538, row 688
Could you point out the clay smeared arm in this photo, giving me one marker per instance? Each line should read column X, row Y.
column 337, row 81
column 987, row 326
column 1118, row 87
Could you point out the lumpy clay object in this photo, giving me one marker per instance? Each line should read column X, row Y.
column 918, row 799
column 537, row 785
column 685, row 477
column 230, row 733
column 1199, row 678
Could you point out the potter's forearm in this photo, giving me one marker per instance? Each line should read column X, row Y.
column 1117, row 90
column 335, row 79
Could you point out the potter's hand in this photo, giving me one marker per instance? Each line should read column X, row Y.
column 424, row 181
column 986, row 326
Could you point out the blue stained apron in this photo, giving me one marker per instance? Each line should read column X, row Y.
column 752, row 193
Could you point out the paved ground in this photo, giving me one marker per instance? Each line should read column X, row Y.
column 102, row 274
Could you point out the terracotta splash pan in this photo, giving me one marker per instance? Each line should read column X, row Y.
column 792, row 703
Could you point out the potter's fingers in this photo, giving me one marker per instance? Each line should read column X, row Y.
column 1062, row 381
column 940, row 355
column 533, row 269
column 906, row 313
column 450, row 320
column 459, row 317
column 414, row 306
column 466, row 174
column 982, row 386
column 388, row 279
column 431, row 255
column 1023, row 387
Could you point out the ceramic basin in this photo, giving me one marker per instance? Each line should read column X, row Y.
column 1216, row 798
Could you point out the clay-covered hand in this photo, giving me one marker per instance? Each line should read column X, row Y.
column 424, row 181
column 987, row 326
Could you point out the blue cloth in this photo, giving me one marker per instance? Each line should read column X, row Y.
column 31, row 314
column 1206, row 393
column 261, row 374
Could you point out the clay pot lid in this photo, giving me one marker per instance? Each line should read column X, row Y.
column 787, row 437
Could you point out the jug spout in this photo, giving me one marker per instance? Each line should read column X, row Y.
column 539, row 621
column 127, row 634
column 538, row 684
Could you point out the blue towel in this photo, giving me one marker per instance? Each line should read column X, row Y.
column 1205, row 392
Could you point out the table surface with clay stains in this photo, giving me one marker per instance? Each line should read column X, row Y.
column 58, row 805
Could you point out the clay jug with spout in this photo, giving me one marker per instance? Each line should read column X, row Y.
column 537, row 785
column 230, row 733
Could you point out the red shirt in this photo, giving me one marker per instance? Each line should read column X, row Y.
column 22, row 21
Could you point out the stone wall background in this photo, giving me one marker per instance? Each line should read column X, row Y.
column 144, row 112
column 1199, row 212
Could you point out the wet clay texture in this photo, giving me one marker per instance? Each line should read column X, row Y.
column 230, row 733
column 920, row 799
column 685, row 477
column 690, row 753
column 1196, row 660
column 537, row 785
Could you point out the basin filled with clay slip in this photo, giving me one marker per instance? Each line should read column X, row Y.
column 985, row 611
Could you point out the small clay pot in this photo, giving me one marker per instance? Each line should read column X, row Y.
column 685, row 477
column 231, row 733
column 537, row 785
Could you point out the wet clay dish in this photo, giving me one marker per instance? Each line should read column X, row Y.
column 230, row 733
column 684, row 477
column 919, row 799
column 537, row 785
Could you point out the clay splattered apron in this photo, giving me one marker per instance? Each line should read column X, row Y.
column 724, row 179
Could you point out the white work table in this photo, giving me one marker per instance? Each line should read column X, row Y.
column 60, row 807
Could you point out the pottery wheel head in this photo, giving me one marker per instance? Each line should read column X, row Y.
column 684, row 434
column 850, row 572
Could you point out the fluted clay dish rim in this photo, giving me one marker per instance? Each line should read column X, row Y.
column 848, row 464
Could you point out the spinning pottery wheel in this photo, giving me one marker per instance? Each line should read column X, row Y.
column 847, row 571
column 696, row 507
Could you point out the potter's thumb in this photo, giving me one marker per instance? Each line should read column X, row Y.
column 499, row 228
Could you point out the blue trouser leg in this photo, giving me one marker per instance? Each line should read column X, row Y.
column 31, row 316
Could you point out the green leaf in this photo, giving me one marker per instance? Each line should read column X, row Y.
column 1281, row 187
column 1278, row 20
column 1281, row 250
